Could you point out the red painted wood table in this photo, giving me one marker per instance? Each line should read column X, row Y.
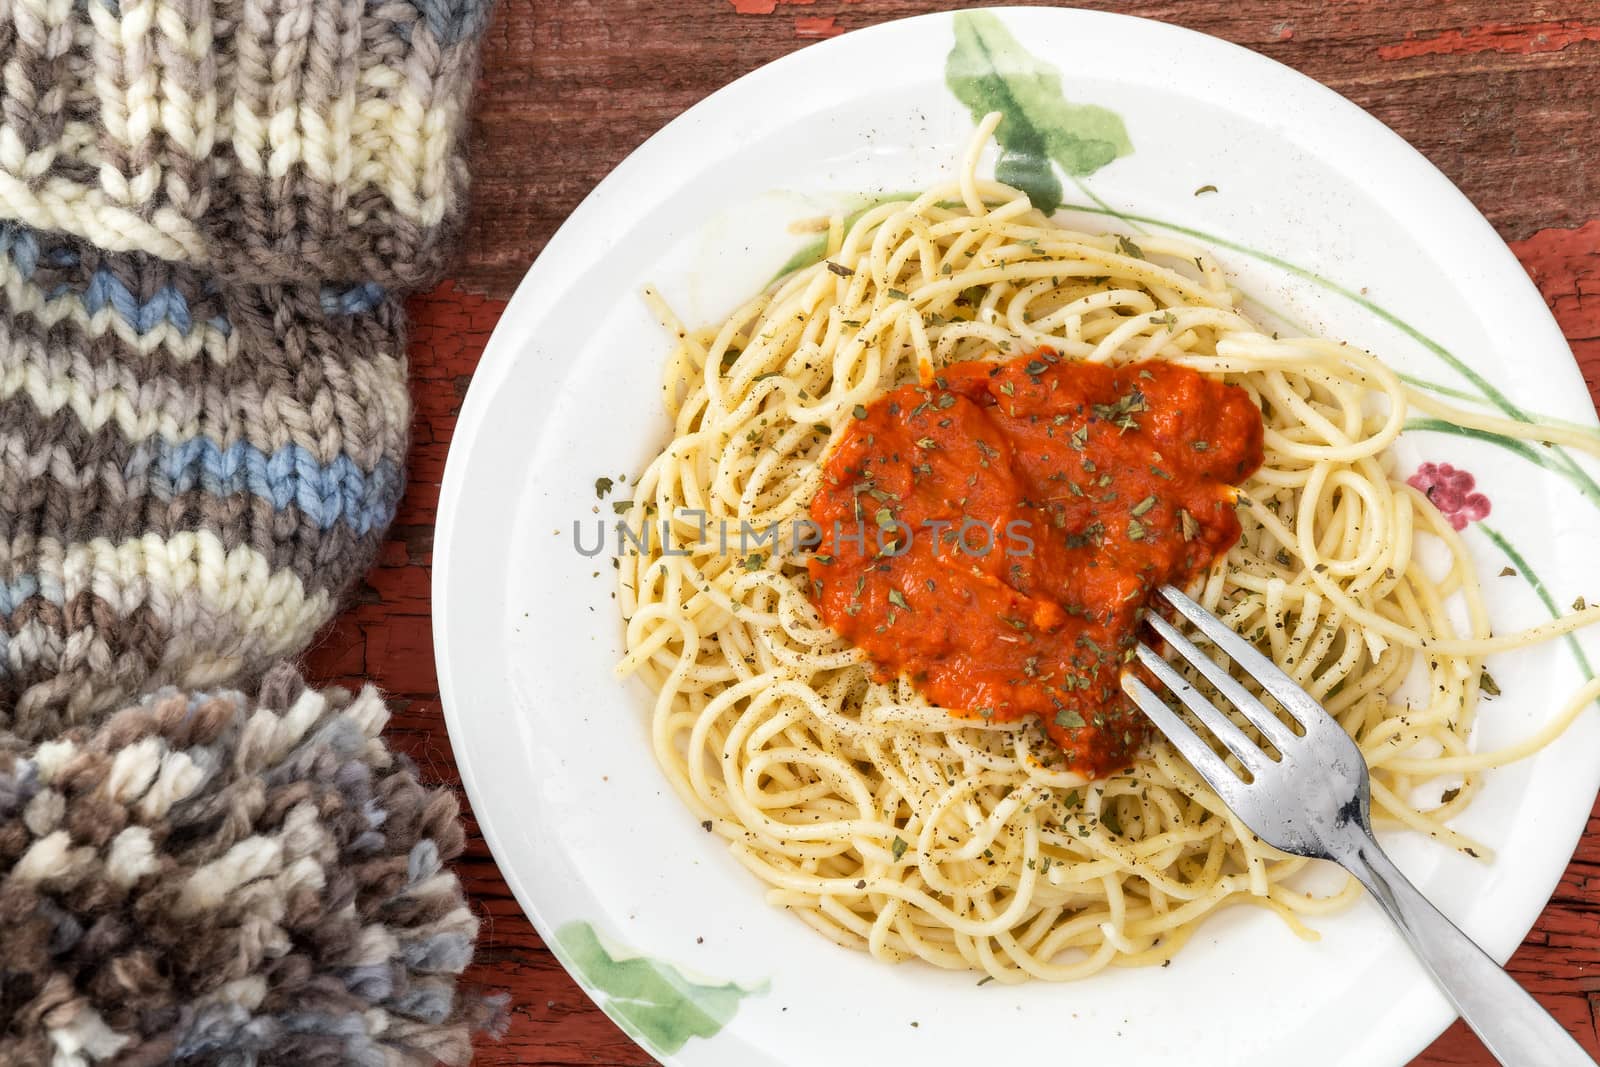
column 1508, row 109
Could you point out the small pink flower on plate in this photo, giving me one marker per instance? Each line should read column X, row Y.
column 1451, row 491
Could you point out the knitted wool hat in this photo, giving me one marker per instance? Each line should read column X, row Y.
column 189, row 474
column 207, row 879
column 208, row 213
column 264, row 140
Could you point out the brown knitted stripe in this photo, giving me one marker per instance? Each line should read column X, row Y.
column 286, row 232
column 48, row 685
column 272, row 226
column 259, row 400
column 34, row 96
column 60, row 484
column 68, row 664
column 332, row 92
column 184, row 177
column 316, row 371
column 71, row 265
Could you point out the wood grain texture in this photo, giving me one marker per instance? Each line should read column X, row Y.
column 1504, row 104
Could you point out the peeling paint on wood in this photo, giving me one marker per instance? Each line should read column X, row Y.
column 762, row 7
column 1565, row 265
column 819, row 26
column 569, row 87
column 1519, row 38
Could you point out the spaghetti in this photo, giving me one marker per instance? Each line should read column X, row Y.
column 917, row 831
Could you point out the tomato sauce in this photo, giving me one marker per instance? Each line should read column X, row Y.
column 995, row 534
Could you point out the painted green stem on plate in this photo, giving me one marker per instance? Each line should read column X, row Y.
column 1083, row 187
column 813, row 251
column 1437, row 387
column 1540, row 589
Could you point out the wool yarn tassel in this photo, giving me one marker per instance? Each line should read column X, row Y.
column 215, row 878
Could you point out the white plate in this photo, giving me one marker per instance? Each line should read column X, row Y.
column 1321, row 213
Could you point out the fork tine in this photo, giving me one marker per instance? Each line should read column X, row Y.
column 1212, row 717
column 1296, row 701
column 1229, row 786
column 1260, row 716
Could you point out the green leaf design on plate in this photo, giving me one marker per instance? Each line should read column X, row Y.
column 655, row 1003
column 989, row 70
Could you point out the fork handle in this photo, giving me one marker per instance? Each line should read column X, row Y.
column 1510, row 1023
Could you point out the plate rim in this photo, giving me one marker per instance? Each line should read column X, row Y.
column 500, row 353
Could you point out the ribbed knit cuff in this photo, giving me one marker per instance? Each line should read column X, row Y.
column 264, row 140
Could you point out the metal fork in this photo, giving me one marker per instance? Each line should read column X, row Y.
column 1314, row 801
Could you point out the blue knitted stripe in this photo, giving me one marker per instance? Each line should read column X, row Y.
column 339, row 491
column 22, row 247
column 357, row 299
column 335, row 492
column 449, row 20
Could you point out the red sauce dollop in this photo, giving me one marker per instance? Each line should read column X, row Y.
column 995, row 535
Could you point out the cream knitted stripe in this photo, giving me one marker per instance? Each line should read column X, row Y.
column 60, row 204
column 183, row 610
column 320, row 559
column 175, row 410
column 234, row 587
